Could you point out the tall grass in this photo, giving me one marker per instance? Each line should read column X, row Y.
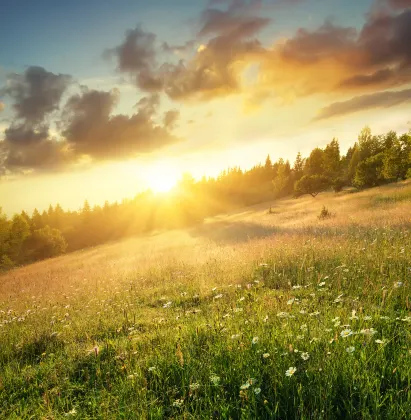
column 311, row 323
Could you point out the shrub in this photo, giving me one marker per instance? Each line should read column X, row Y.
column 6, row 263
column 339, row 184
column 325, row 214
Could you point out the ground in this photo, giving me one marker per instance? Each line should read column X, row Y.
column 253, row 314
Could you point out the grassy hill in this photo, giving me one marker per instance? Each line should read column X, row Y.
column 250, row 315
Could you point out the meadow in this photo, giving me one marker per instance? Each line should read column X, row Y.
column 253, row 314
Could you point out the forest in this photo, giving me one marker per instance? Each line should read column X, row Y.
column 373, row 160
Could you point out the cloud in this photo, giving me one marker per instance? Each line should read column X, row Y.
column 137, row 56
column 87, row 126
column 364, row 102
column 2, row 106
column 340, row 59
column 214, row 70
column 170, row 118
column 90, row 129
column 45, row 154
column 35, row 93
column 399, row 4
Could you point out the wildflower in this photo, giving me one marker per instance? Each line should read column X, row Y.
column 215, row 379
column 305, row 356
column 368, row 331
column 297, row 286
column 367, row 318
column 406, row 319
column 183, row 294
column 265, row 319
column 283, row 315
column 218, row 296
column 254, row 340
column 152, row 368
column 346, row 333
column 194, row 387
column 338, row 299
column 350, row 349
column 241, row 299
column 266, row 355
column 380, row 341
column 178, row 403
column 72, row 412
column 321, row 284
column 398, row 284
column 167, row 305
column 316, row 313
column 290, row 371
column 235, row 336
column 214, row 289
column 245, row 386
column 337, row 318
column 257, row 391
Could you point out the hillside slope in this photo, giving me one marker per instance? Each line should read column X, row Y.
column 250, row 315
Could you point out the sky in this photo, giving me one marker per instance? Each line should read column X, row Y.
column 101, row 99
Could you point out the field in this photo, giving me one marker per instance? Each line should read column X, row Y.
column 251, row 315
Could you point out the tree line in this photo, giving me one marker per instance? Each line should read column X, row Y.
column 373, row 160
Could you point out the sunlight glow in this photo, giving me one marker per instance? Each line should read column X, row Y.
column 161, row 176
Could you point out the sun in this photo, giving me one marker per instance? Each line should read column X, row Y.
column 161, row 176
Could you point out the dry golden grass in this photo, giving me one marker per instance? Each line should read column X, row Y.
column 228, row 241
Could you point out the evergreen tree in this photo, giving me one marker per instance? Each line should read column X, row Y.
column 298, row 167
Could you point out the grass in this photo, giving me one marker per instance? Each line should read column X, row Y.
column 206, row 323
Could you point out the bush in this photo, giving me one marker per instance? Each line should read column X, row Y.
column 339, row 184
column 325, row 214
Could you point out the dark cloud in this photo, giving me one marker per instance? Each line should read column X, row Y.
column 313, row 46
column 90, row 129
column 27, row 144
column 35, row 93
column 45, row 154
column 238, row 21
column 137, row 56
column 25, row 135
column 214, row 70
column 364, row 102
column 25, row 147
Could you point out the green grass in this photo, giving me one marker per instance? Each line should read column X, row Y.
column 222, row 347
